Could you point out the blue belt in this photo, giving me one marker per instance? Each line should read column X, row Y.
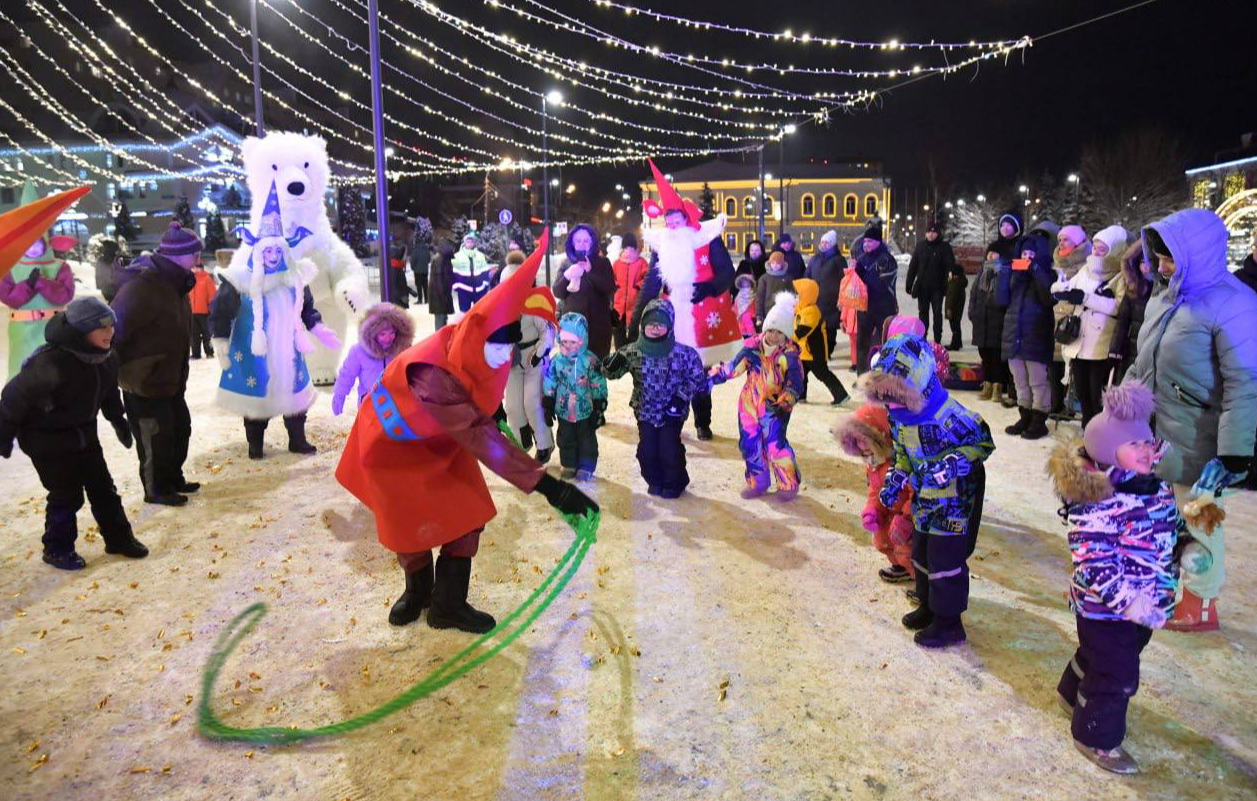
column 390, row 416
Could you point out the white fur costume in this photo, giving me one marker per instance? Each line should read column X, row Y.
column 298, row 166
column 675, row 248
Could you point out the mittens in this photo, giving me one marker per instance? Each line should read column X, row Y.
column 124, row 434
column 1144, row 611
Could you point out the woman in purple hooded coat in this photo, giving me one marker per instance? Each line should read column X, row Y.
column 586, row 285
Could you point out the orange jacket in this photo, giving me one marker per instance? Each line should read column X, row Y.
column 629, row 277
column 202, row 295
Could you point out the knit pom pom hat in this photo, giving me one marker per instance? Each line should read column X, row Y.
column 781, row 316
column 1127, row 409
column 179, row 241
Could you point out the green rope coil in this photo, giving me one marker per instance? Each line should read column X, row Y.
column 479, row 651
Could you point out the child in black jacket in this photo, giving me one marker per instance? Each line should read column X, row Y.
column 50, row 407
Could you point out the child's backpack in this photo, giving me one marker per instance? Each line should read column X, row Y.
column 963, row 375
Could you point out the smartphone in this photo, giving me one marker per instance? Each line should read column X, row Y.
column 1021, row 264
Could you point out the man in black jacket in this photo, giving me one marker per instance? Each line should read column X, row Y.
column 50, row 407
column 795, row 266
column 933, row 264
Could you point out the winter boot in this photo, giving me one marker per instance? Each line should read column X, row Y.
column 525, row 437
column 955, row 343
column 1114, row 761
column 68, row 560
column 997, row 393
column 416, row 598
column 1019, row 427
column 753, row 490
column 297, row 442
column 567, row 473
column 450, row 609
column 917, row 619
column 171, row 499
column 894, row 575
column 786, row 495
column 126, row 545
column 941, row 633
column 543, row 454
column 704, row 433
column 911, row 595
column 987, row 388
column 1038, row 426
column 188, row 487
column 1194, row 613
column 254, row 432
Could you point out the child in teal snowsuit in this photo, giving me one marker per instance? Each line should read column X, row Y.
column 574, row 390
column 939, row 450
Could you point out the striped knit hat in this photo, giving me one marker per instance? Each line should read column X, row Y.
column 179, row 241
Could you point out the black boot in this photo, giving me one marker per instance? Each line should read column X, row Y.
column 918, row 618
column 544, row 454
column 68, row 560
column 450, row 609
column 955, row 343
column 297, row 442
column 1037, row 429
column 1022, row 423
column 942, row 632
column 416, row 598
column 704, row 433
column 254, row 431
column 525, row 437
column 126, row 545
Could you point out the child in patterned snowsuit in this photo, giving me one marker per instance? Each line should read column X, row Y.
column 939, row 450
column 774, row 380
column 1123, row 524
column 866, row 434
column 666, row 376
column 744, row 303
column 574, row 390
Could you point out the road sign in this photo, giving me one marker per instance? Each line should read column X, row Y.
column 560, row 229
column 505, row 216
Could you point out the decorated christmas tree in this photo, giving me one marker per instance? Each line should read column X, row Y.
column 353, row 220
column 707, row 202
column 215, row 232
column 123, row 226
column 183, row 213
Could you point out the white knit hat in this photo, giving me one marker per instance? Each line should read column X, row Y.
column 781, row 316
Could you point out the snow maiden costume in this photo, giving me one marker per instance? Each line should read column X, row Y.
column 259, row 321
column 522, row 403
column 693, row 270
column 414, row 455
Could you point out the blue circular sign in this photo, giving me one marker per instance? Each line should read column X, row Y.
column 505, row 216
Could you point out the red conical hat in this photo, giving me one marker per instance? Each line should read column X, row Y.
column 670, row 200
column 20, row 227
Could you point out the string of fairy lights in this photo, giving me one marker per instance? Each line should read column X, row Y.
column 730, row 110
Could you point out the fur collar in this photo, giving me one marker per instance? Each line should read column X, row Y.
column 300, row 272
column 883, row 387
column 1075, row 477
column 856, row 436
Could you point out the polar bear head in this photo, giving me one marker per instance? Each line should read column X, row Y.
column 297, row 164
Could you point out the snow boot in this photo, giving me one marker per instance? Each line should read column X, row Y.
column 653, row 490
column 1019, row 427
column 941, row 633
column 127, row 546
column 171, row 499
column 70, row 560
column 955, row 343
column 1038, row 426
column 704, row 433
column 297, row 442
column 1065, row 705
column 917, row 619
column 254, row 432
column 416, row 598
column 753, row 491
column 585, row 475
column 911, row 595
column 450, row 609
column 987, row 388
column 188, row 487
column 1114, row 761
column 543, row 454
column 1194, row 613
column 894, row 575
column 786, row 495
column 525, row 437
column 997, row 393
column 568, row 473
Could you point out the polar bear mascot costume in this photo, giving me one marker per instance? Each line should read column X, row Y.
column 297, row 164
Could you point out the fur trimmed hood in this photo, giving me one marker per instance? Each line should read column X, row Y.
column 1076, row 478
column 379, row 317
column 867, row 429
column 903, row 373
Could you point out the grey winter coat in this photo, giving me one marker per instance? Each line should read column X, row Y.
column 1198, row 349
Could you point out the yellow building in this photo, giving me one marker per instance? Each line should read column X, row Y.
column 804, row 200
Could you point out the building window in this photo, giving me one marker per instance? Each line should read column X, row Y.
column 768, row 240
column 748, row 207
column 747, row 239
column 731, row 207
column 807, row 205
column 850, row 207
column 112, row 191
column 109, row 159
column 6, row 195
column 829, row 206
column 770, row 207
column 731, row 242
column 870, row 205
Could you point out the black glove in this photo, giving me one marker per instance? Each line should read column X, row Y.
column 1074, row 296
column 33, row 278
column 6, row 444
column 600, row 414
column 1105, row 291
column 565, row 497
column 616, row 319
column 547, row 405
column 677, row 407
column 537, row 356
column 124, row 434
column 702, row 291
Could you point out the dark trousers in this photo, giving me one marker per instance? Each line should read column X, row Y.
column 933, row 301
column 398, row 290
column 994, row 370
column 661, row 456
column 1102, row 678
column 941, row 561
column 619, row 332
column 441, row 320
column 954, row 323
column 578, row 444
column 831, row 337
column 466, row 546
column 201, row 336
column 869, row 333
column 1056, row 384
column 701, row 404
column 1090, row 379
column 162, row 428
column 421, row 287
column 67, row 477
column 819, row 367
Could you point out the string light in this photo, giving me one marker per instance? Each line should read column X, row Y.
column 87, row 166
column 47, row 165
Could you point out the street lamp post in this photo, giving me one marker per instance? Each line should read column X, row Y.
column 555, row 97
column 257, row 68
column 1075, row 180
column 377, row 130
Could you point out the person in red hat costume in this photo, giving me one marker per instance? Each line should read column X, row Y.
column 693, row 269
column 413, row 457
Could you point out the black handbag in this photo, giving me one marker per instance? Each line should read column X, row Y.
column 1068, row 329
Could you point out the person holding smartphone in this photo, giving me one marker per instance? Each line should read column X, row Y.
column 586, row 286
column 1024, row 289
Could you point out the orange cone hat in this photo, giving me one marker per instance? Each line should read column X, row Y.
column 20, row 227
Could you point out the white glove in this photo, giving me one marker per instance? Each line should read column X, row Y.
column 352, row 292
column 222, row 349
column 1144, row 611
column 326, row 336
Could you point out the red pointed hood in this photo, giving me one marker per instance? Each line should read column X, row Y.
column 669, row 200
column 20, row 227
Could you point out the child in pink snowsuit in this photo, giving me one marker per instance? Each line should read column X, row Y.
column 385, row 331
column 866, row 434
column 744, row 304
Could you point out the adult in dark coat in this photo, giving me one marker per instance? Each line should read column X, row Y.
column 795, row 267
column 441, row 284
column 827, row 268
column 1025, row 289
column 398, row 288
column 586, row 285
column 154, row 342
column 420, row 261
column 753, row 259
column 987, row 315
column 872, row 263
column 932, row 266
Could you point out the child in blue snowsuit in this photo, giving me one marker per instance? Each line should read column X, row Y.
column 574, row 391
column 939, row 450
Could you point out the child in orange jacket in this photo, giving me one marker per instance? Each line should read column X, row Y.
column 866, row 434
column 201, row 296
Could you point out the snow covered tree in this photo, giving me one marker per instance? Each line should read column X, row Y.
column 458, row 229
column 123, row 226
column 974, row 224
column 183, row 213
column 495, row 239
column 353, row 220
column 707, row 202
column 423, row 231
column 1132, row 180
column 1053, row 200
column 105, row 248
column 215, row 232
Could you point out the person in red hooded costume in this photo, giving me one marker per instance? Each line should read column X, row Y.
column 414, row 454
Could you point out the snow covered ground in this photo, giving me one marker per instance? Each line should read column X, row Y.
column 619, row 691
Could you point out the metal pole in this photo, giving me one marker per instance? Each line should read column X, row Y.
column 377, row 128
column 781, row 190
column 545, row 181
column 257, row 68
column 760, row 199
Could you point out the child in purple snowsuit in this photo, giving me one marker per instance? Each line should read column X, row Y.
column 385, row 331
